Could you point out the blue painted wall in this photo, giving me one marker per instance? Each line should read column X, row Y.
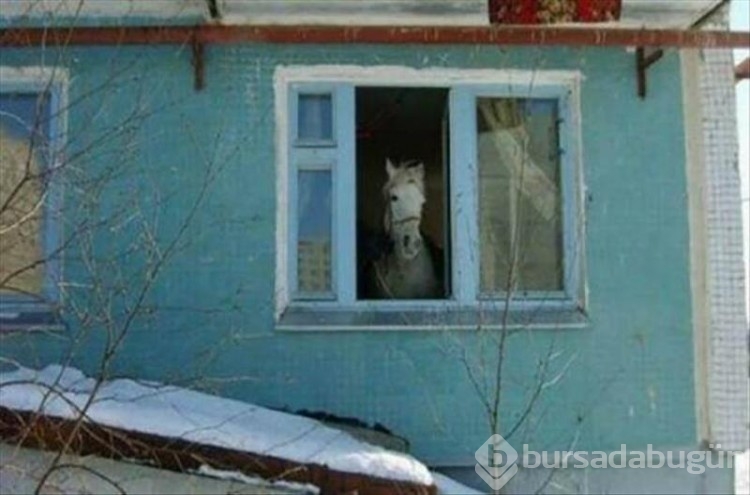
column 136, row 121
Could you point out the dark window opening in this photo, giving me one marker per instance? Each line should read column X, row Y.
column 403, row 234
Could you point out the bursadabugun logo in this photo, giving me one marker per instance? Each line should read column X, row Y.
column 496, row 462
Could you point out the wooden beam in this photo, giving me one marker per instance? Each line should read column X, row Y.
column 433, row 35
column 742, row 70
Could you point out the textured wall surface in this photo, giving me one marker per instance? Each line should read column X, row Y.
column 729, row 331
column 136, row 122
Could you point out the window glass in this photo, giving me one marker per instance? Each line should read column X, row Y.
column 315, row 117
column 24, row 125
column 520, row 225
column 314, row 231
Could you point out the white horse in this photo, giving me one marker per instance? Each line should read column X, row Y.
column 408, row 270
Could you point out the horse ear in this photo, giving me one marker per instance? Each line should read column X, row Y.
column 390, row 168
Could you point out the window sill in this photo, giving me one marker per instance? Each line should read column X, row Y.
column 434, row 319
column 34, row 320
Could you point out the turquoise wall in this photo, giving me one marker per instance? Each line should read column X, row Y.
column 137, row 125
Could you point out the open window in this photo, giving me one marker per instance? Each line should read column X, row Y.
column 416, row 198
column 408, row 128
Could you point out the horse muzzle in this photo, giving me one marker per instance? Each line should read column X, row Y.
column 410, row 247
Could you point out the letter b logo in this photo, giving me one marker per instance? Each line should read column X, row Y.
column 496, row 462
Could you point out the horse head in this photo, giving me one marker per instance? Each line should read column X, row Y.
column 404, row 194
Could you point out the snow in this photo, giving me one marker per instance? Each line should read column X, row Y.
column 305, row 488
column 449, row 486
column 194, row 416
column 742, row 473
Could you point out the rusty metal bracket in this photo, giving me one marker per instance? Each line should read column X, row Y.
column 213, row 9
column 198, row 62
column 642, row 63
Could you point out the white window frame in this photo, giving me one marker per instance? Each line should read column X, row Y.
column 464, row 86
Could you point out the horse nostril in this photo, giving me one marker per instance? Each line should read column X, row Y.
column 394, row 198
column 406, row 241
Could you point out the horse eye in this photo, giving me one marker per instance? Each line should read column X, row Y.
column 394, row 198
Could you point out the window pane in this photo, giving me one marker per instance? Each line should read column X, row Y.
column 314, row 232
column 315, row 117
column 520, row 225
column 24, row 125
